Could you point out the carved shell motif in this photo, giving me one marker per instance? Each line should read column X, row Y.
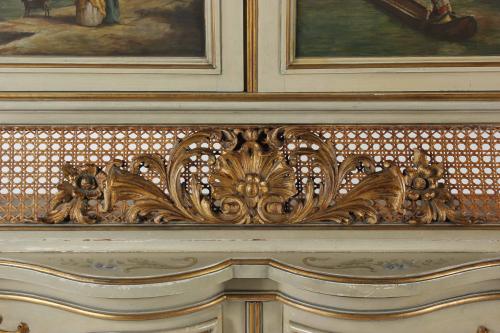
column 252, row 186
column 253, row 177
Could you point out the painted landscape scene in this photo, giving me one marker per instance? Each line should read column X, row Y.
column 97, row 28
column 397, row 28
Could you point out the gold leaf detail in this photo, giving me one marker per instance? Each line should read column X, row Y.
column 251, row 186
column 429, row 200
column 79, row 186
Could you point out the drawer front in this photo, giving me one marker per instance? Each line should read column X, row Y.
column 22, row 317
column 478, row 317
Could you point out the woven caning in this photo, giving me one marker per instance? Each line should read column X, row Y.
column 31, row 159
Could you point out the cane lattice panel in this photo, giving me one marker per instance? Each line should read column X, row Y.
column 32, row 160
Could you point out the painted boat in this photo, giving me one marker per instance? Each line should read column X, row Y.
column 415, row 14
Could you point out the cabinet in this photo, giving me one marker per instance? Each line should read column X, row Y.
column 157, row 46
column 250, row 187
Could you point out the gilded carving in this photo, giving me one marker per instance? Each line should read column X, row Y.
column 252, row 186
column 256, row 176
column 79, row 186
column 428, row 199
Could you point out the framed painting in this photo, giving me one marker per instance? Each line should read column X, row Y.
column 133, row 45
column 381, row 45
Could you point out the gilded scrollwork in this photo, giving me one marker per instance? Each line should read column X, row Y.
column 251, row 176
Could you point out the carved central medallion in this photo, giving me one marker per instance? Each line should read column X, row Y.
column 252, row 186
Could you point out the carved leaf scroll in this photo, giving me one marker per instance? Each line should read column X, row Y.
column 252, row 178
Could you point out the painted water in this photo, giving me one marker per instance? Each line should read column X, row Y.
column 357, row 28
column 12, row 9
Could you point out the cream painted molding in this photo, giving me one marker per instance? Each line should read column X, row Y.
column 250, row 240
column 327, row 312
column 233, row 112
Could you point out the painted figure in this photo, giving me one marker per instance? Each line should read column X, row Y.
column 112, row 12
column 440, row 10
column 90, row 13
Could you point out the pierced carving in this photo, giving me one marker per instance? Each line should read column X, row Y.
column 251, row 178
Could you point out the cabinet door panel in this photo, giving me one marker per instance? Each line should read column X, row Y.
column 360, row 46
column 151, row 45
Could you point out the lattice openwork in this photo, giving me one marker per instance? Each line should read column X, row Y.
column 32, row 160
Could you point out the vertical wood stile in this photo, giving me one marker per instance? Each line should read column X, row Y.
column 251, row 45
column 254, row 313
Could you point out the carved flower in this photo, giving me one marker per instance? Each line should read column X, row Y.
column 252, row 186
column 429, row 201
column 84, row 180
column 422, row 180
column 80, row 185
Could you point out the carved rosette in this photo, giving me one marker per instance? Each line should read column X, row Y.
column 253, row 177
column 428, row 200
column 78, row 187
